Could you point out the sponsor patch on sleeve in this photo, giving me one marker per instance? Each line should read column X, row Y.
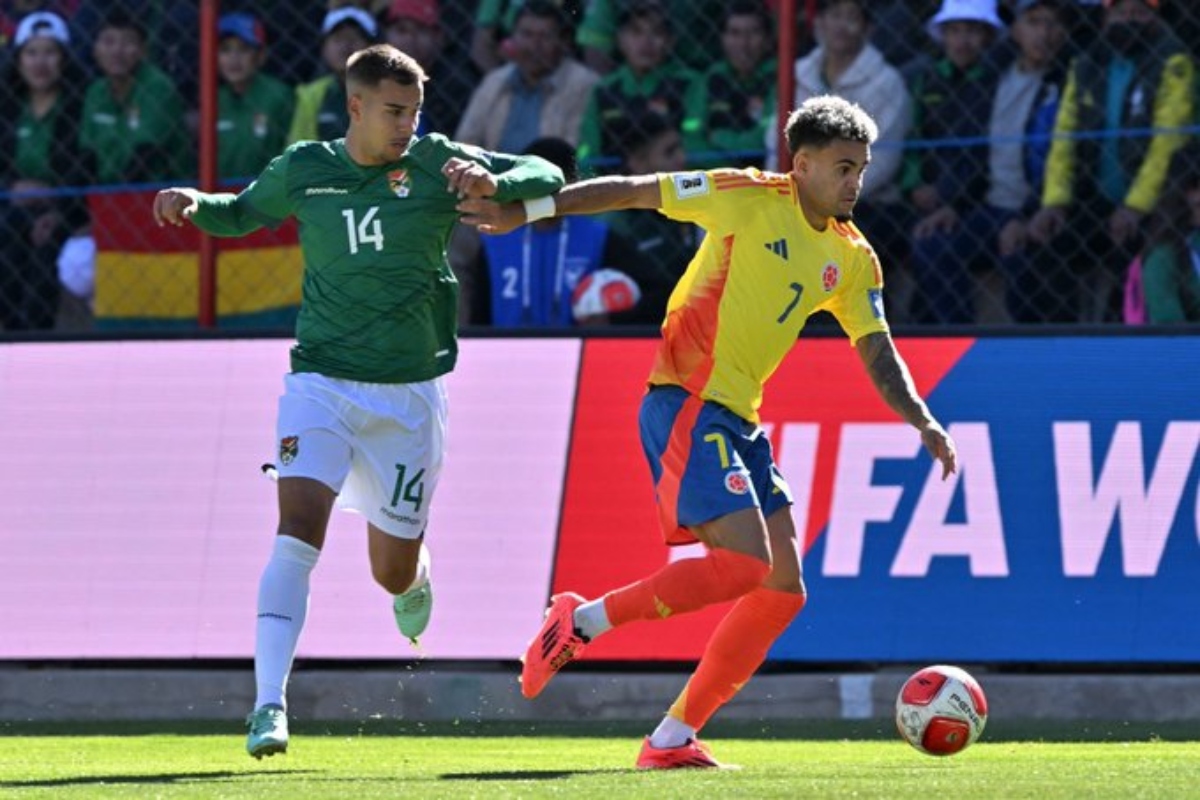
column 876, row 298
column 690, row 184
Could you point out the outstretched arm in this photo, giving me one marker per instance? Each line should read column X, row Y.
column 609, row 193
column 892, row 380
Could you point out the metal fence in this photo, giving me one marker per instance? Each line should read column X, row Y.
column 1037, row 162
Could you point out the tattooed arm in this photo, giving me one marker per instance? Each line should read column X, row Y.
column 890, row 375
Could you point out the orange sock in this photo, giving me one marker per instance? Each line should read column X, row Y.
column 735, row 651
column 686, row 586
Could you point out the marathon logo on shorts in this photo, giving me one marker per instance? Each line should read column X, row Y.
column 289, row 448
column 737, row 482
column 690, row 184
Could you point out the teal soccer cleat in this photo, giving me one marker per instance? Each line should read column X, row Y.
column 268, row 731
column 412, row 611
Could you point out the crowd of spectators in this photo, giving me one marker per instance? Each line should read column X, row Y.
column 1024, row 170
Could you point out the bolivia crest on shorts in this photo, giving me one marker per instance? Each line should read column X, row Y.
column 737, row 482
column 289, row 448
column 398, row 182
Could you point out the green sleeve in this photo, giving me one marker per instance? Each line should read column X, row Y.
column 695, row 115
column 911, row 172
column 1160, row 286
column 589, row 130
column 525, row 177
column 517, row 177
column 264, row 203
column 488, row 14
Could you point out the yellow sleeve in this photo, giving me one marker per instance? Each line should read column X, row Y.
column 858, row 304
column 308, row 104
column 1059, row 185
column 1173, row 105
column 715, row 200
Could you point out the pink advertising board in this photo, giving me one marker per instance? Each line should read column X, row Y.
column 137, row 520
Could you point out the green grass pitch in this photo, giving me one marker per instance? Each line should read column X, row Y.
column 389, row 759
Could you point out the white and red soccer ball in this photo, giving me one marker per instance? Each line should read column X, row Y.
column 941, row 710
column 604, row 291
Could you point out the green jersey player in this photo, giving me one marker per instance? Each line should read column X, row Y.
column 363, row 415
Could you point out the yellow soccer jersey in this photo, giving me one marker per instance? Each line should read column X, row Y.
column 760, row 273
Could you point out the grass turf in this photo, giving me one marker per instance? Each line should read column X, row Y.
column 387, row 759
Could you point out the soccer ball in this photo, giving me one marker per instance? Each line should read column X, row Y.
column 941, row 710
column 603, row 292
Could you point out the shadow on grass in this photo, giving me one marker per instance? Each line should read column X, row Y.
column 130, row 780
column 526, row 774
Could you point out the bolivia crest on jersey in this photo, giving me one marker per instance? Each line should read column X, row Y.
column 398, row 182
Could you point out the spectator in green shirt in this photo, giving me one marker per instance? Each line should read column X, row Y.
column 651, row 144
column 737, row 94
column 649, row 80
column 1171, row 266
column 39, row 119
column 494, row 23
column 254, row 110
column 321, row 105
column 133, row 113
column 698, row 20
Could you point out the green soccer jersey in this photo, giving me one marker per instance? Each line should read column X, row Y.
column 151, row 115
column 252, row 127
column 379, row 302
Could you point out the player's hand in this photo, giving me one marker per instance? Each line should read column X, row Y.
column 468, row 179
column 173, row 206
column 1047, row 223
column 1123, row 225
column 926, row 198
column 944, row 220
column 488, row 216
column 1013, row 237
column 940, row 446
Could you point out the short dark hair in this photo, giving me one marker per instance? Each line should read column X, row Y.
column 748, row 8
column 558, row 152
column 383, row 62
column 631, row 10
column 638, row 130
column 820, row 121
column 545, row 9
column 122, row 20
column 863, row 5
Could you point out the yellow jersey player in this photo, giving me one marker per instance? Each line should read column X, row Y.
column 778, row 247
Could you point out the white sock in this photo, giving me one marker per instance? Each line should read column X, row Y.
column 282, row 607
column 591, row 619
column 671, row 732
column 424, row 573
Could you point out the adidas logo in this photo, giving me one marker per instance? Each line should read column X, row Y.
column 778, row 247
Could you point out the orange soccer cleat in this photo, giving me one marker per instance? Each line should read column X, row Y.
column 692, row 754
column 555, row 644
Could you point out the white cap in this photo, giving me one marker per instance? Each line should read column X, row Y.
column 350, row 14
column 42, row 23
column 964, row 11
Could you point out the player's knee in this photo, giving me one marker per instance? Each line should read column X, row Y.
column 303, row 530
column 394, row 577
column 739, row 572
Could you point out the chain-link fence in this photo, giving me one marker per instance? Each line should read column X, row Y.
column 1036, row 161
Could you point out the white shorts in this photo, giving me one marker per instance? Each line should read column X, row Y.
column 379, row 446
